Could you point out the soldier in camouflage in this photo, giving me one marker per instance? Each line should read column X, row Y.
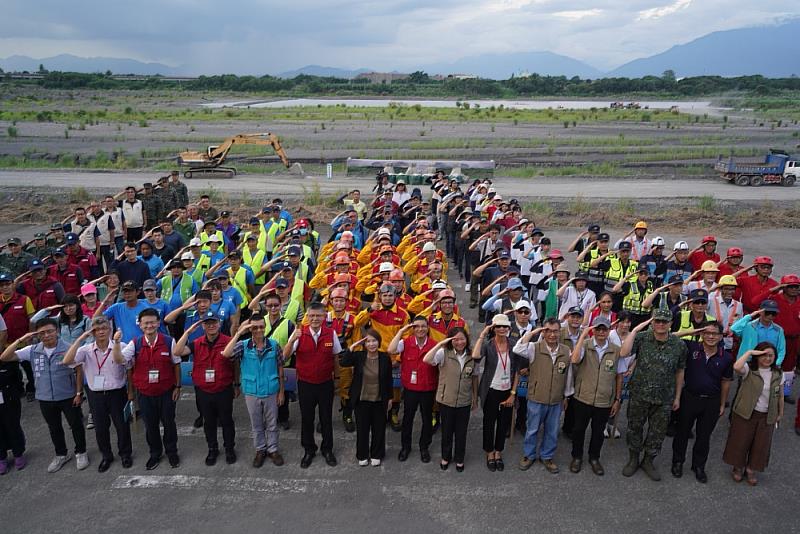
column 178, row 190
column 164, row 197
column 655, row 388
column 39, row 249
column 151, row 206
column 14, row 261
column 57, row 238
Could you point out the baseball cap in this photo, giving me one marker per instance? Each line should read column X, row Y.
column 594, row 228
column 35, row 265
column 281, row 265
column 575, row 310
column 215, row 239
column 295, row 250
column 209, row 223
column 130, row 284
column 555, row 254
column 281, row 283
column 537, row 231
column 5, row 277
column 234, row 254
column 40, row 235
column 503, row 254
column 225, row 214
column 603, row 237
column 14, row 241
column 601, row 321
column 643, row 269
column 149, row 284
column 769, row 305
column 56, row 226
column 515, row 283
column 522, row 304
column 581, row 275
column 699, row 294
column 501, row 319
column 660, row 314
column 254, row 221
column 175, row 263
column 624, row 245
column 675, row 279
column 88, row 289
column 59, row 252
column 209, row 316
column 195, row 242
column 221, row 275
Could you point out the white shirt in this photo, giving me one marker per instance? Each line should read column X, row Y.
column 337, row 347
column 501, row 381
column 102, row 373
column 762, row 404
column 727, row 314
column 438, row 358
column 129, row 351
column 586, row 299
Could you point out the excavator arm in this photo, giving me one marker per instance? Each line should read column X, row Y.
column 219, row 153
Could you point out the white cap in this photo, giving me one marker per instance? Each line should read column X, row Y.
column 215, row 239
column 522, row 304
column 386, row 267
column 428, row 247
column 498, row 197
column 384, row 231
column 657, row 241
column 439, row 284
column 681, row 245
column 400, row 182
column 187, row 256
column 491, row 190
column 195, row 242
column 347, row 233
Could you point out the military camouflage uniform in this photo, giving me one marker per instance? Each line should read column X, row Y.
column 652, row 389
column 39, row 252
column 180, row 194
column 15, row 265
column 165, row 202
column 56, row 243
column 152, row 207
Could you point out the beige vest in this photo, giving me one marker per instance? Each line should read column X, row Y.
column 455, row 384
column 595, row 380
column 750, row 390
column 547, row 379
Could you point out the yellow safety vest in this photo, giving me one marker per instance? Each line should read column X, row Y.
column 255, row 262
column 239, row 281
column 632, row 302
column 686, row 323
column 615, row 271
column 204, row 237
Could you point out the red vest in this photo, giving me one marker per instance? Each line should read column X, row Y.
column 208, row 357
column 83, row 259
column 411, row 360
column 315, row 361
column 44, row 295
column 68, row 278
column 158, row 358
column 15, row 316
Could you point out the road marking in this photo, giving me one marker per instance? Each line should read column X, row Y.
column 259, row 485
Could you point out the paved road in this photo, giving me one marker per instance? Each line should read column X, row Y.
column 564, row 187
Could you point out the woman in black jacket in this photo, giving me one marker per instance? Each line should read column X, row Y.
column 497, row 388
column 371, row 396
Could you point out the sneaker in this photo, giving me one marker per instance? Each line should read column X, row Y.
column 57, row 463
column 89, row 422
column 20, row 462
column 3, row 467
column 375, row 462
column 363, row 463
column 174, row 460
column 82, row 459
column 466, row 287
column 607, row 432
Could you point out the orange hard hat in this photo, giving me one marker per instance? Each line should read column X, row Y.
column 342, row 278
column 339, row 293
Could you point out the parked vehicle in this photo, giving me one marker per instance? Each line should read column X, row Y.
column 778, row 167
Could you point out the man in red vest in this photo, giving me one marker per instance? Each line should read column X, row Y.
column 17, row 310
column 315, row 348
column 42, row 290
column 419, row 381
column 156, row 375
column 216, row 384
column 69, row 275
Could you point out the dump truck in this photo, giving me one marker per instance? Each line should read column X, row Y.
column 778, row 167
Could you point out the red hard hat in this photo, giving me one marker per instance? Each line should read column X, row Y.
column 447, row 293
column 790, row 279
column 708, row 239
column 763, row 260
column 339, row 293
column 735, row 251
column 342, row 278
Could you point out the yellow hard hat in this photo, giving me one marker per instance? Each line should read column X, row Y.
column 727, row 280
column 640, row 225
column 709, row 266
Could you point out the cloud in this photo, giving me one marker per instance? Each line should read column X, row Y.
column 663, row 11
column 578, row 14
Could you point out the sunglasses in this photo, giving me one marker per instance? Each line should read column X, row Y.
column 524, row 312
column 501, row 326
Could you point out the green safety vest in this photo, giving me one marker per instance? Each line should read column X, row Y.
column 239, row 282
column 615, row 271
column 204, row 238
column 185, row 287
column 255, row 262
column 201, row 265
column 261, row 242
column 272, row 232
column 632, row 302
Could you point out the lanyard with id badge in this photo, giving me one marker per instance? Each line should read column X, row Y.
column 505, row 379
column 99, row 381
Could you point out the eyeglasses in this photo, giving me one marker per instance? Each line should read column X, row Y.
column 273, row 305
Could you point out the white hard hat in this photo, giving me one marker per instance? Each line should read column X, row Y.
column 386, row 267
column 657, row 241
column 681, row 245
column 428, row 247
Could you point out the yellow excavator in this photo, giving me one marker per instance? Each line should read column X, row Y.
column 208, row 164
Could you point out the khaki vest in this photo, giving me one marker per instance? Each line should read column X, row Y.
column 595, row 380
column 546, row 379
column 455, row 384
column 750, row 390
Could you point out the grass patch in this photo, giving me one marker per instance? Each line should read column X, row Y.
column 592, row 169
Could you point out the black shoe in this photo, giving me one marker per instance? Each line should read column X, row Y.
column 307, row 459
column 211, row 459
column 286, row 425
column 403, row 456
column 425, row 456
column 30, row 396
column 330, row 459
column 491, row 465
column 677, row 469
column 174, row 460
column 444, row 465
column 152, row 463
column 672, row 429
column 347, row 419
column 500, row 465
column 460, row 468
column 230, row 456
column 127, row 462
column 105, row 463
column 788, row 399
column 700, row 474
column 198, row 423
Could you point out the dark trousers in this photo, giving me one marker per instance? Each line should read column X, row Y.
column 11, row 433
column 135, row 234
column 411, row 401
column 583, row 414
column 704, row 411
column 569, row 416
column 370, row 430
column 496, row 420
column 522, row 413
column 311, row 396
column 30, row 386
column 119, row 244
column 106, row 257
column 454, row 423
column 217, row 407
column 51, row 411
column 155, row 410
column 107, row 407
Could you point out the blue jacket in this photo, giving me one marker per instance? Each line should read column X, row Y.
column 259, row 371
column 745, row 328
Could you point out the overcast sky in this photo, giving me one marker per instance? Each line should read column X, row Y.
column 261, row 36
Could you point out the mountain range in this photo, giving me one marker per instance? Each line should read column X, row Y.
column 772, row 51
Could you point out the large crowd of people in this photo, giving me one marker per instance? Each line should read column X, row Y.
column 139, row 295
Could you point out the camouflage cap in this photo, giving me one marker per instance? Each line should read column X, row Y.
column 660, row 314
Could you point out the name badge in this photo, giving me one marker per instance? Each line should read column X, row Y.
column 98, row 384
column 413, row 377
column 152, row 376
column 210, row 375
column 505, row 383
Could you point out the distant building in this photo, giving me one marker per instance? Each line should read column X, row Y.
column 462, row 76
column 382, row 77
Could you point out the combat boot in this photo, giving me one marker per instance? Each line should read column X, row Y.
column 632, row 466
column 650, row 469
column 347, row 417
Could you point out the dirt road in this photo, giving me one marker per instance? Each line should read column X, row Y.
column 286, row 184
